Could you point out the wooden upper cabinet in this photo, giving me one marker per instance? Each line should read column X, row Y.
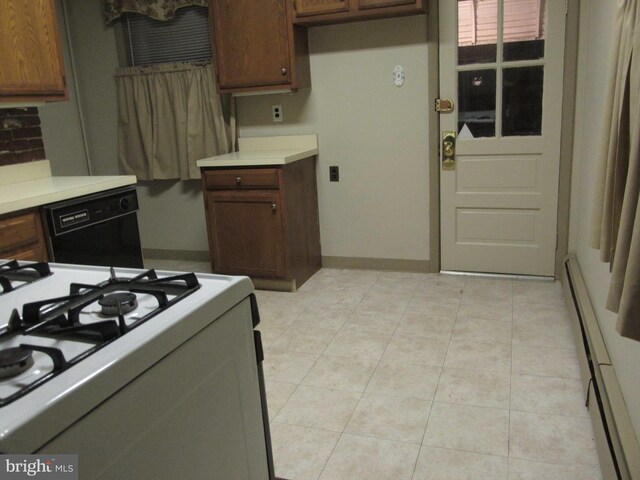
column 31, row 64
column 364, row 4
column 317, row 7
column 323, row 12
column 257, row 47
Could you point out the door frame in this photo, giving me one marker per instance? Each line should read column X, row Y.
column 566, row 141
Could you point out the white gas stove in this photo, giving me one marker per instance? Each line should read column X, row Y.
column 127, row 360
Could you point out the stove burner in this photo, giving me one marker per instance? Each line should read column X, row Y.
column 14, row 361
column 125, row 300
column 60, row 318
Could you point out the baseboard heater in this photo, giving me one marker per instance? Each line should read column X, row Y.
column 616, row 440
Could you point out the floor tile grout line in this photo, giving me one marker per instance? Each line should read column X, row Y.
column 363, row 391
column 450, row 339
column 510, row 388
column 444, row 360
column 359, row 399
column 303, row 377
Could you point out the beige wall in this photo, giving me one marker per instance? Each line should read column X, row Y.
column 171, row 216
column 375, row 132
column 596, row 24
column 61, row 130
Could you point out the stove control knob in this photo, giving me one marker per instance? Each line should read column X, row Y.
column 125, row 204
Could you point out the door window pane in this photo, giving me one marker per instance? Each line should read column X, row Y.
column 477, row 31
column 522, row 101
column 524, row 29
column 477, row 103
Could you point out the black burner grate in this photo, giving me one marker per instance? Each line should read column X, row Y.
column 60, row 317
column 12, row 271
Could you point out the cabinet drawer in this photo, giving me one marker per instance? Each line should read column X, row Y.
column 241, row 178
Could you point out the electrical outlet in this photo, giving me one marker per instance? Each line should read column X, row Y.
column 334, row 174
column 276, row 113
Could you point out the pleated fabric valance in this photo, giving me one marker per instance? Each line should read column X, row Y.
column 158, row 9
column 616, row 213
column 169, row 116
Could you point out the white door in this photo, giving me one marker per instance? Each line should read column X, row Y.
column 501, row 62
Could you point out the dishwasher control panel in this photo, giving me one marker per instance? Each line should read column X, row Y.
column 81, row 212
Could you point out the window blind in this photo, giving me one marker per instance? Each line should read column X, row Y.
column 183, row 38
column 478, row 21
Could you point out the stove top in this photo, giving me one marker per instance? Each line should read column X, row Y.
column 71, row 335
column 53, row 334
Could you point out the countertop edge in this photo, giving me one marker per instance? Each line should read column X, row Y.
column 94, row 184
column 254, row 159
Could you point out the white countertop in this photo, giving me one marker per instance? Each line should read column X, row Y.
column 31, row 185
column 260, row 151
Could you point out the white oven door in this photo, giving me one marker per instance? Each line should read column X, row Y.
column 195, row 414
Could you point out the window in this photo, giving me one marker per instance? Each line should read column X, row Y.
column 183, row 38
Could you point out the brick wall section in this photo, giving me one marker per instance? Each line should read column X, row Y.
column 20, row 136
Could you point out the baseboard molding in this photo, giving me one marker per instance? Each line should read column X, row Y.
column 187, row 255
column 277, row 285
column 388, row 264
column 616, row 441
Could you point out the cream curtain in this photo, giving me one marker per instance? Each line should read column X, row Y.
column 616, row 216
column 158, row 9
column 169, row 116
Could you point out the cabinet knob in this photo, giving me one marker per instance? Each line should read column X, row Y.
column 284, row 71
column 238, row 180
column 273, row 207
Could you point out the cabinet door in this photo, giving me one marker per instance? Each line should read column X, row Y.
column 246, row 233
column 30, row 58
column 251, row 40
column 22, row 237
column 318, row 7
column 364, row 4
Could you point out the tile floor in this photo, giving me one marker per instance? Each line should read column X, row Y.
column 378, row 375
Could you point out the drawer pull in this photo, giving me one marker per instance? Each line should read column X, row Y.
column 284, row 71
column 238, row 180
column 273, row 207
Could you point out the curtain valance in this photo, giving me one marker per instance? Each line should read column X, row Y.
column 158, row 9
column 169, row 116
column 616, row 214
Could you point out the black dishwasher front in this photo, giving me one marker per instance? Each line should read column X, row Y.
column 98, row 229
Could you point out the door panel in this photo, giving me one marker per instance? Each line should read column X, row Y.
column 499, row 204
column 30, row 56
column 251, row 40
column 508, row 173
column 495, row 226
column 246, row 232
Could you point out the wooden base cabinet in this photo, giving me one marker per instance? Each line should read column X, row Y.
column 263, row 221
column 22, row 237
